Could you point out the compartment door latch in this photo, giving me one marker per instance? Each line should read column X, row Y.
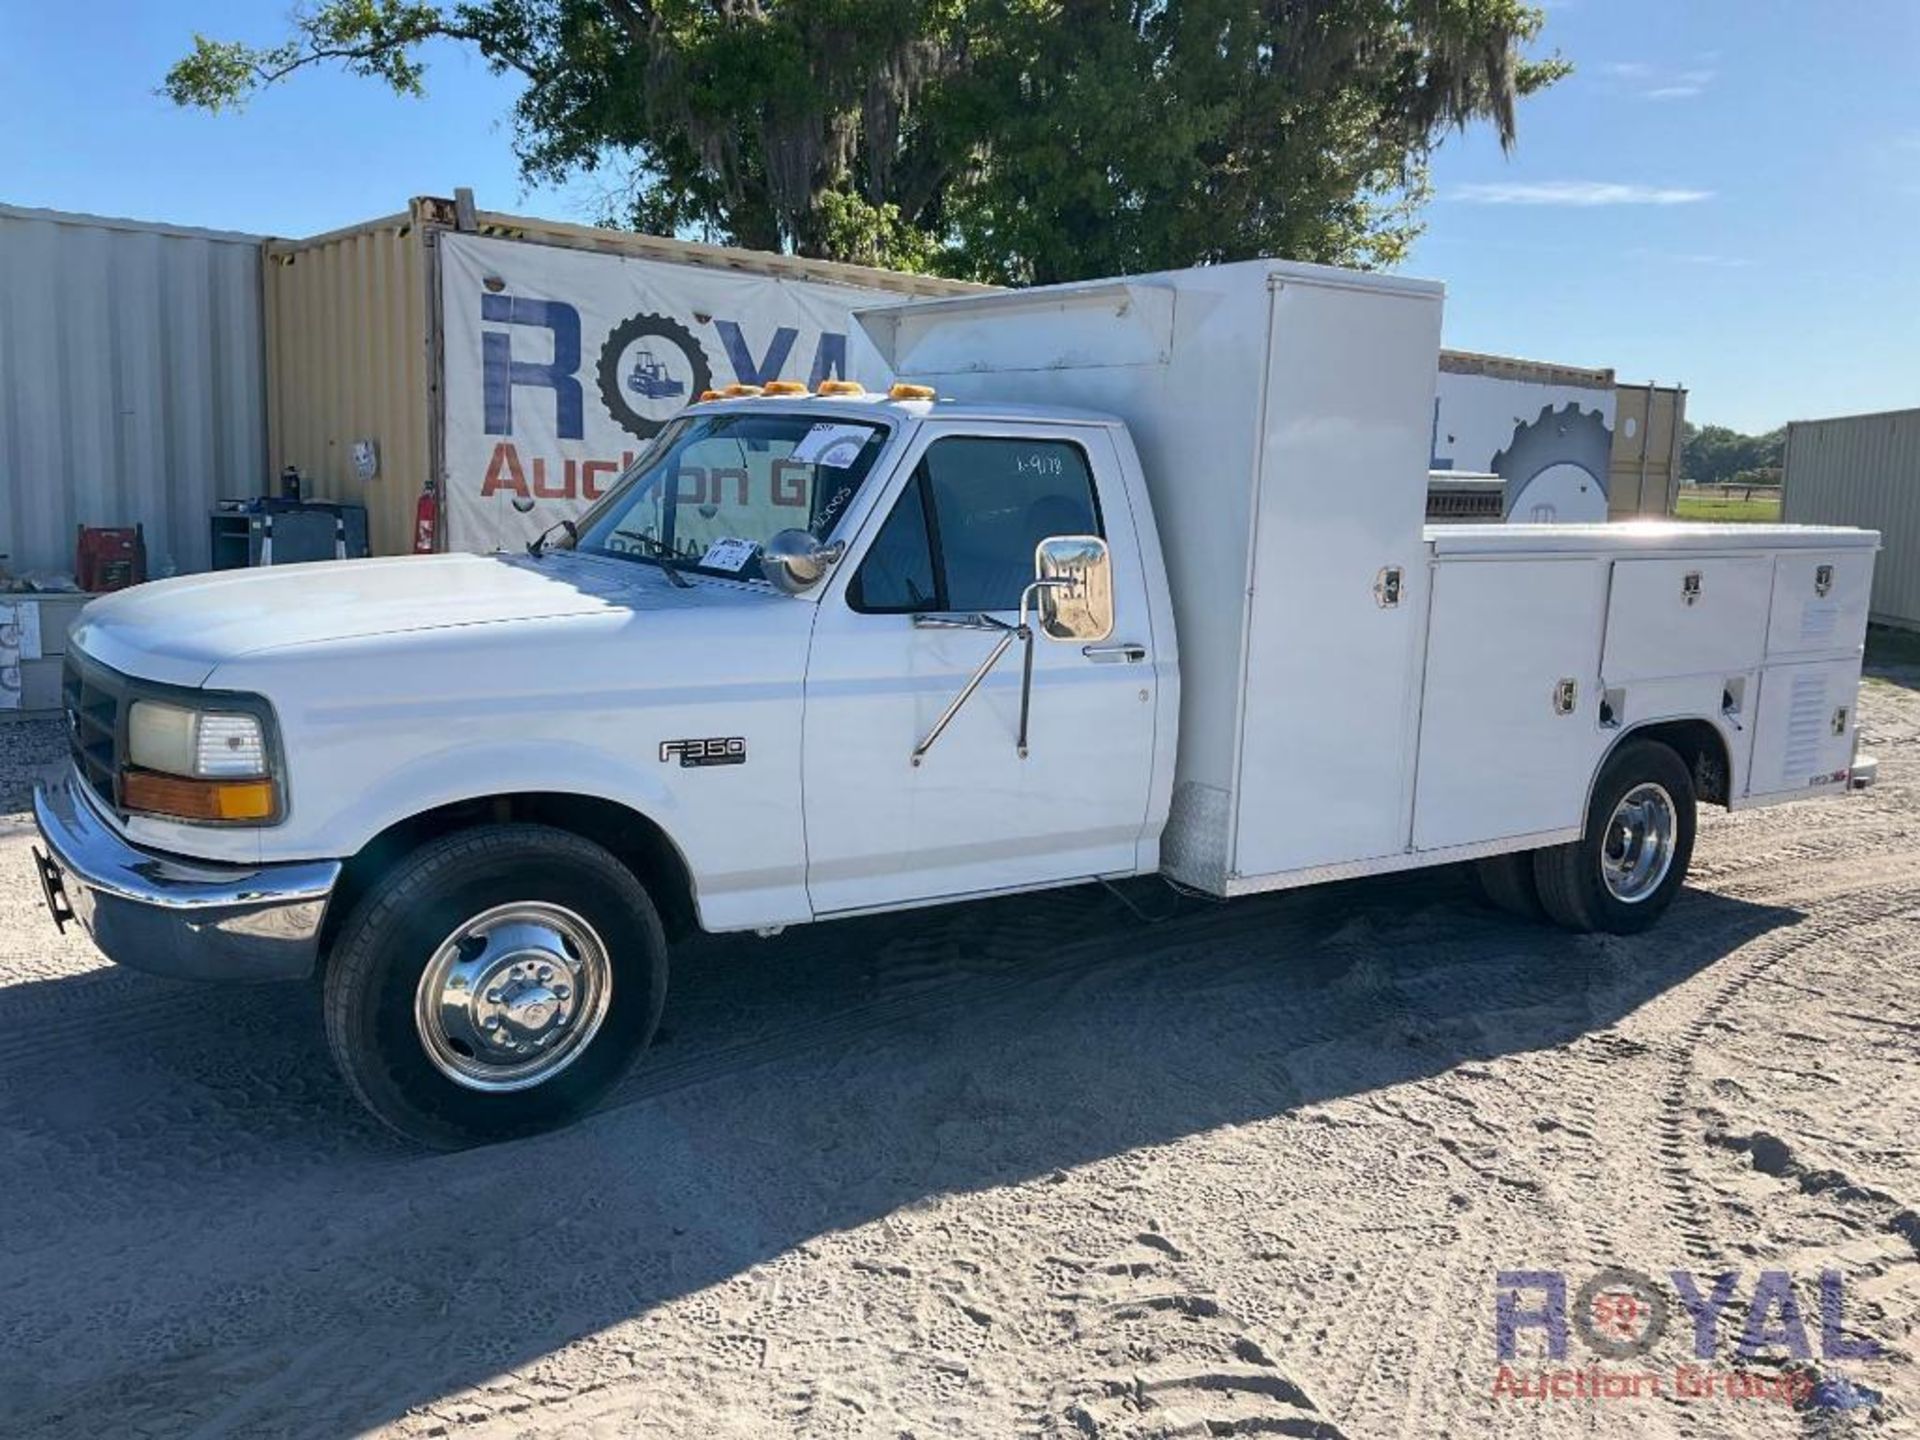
column 1386, row 587
column 1566, row 695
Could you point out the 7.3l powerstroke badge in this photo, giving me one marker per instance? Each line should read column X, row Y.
column 728, row 750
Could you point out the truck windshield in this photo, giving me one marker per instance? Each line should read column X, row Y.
column 716, row 487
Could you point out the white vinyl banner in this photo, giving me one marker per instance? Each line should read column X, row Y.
column 559, row 365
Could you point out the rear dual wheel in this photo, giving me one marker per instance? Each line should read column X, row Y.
column 1624, row 871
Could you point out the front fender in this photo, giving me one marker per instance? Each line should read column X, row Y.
column 395, row 727
column 476, row 772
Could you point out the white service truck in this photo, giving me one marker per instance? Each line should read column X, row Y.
column 1133, row 580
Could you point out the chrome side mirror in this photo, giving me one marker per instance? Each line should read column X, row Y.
column 795, row 560
column 1073, row 582
column 1073, row 587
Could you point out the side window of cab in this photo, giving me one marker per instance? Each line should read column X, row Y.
column 962, row 534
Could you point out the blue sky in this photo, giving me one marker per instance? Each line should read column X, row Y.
column 1726, row 193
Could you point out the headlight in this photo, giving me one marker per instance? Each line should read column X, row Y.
column 201, row 765
column 208, row 744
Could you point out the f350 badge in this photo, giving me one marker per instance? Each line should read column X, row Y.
column 727, row 750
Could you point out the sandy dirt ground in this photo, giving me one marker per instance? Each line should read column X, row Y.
column 1047, row 1167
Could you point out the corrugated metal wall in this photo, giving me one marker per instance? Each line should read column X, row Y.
column 347, row 360
column 131, row 383
column 1648, row 426
column 1864, row 470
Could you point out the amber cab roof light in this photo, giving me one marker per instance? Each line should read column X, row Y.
column 783, row 387
column 739, row 392
column 840, row 387
column 900, row 390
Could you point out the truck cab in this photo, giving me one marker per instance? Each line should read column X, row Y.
column 749, row 758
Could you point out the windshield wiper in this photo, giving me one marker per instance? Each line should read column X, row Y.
column 537, row 546
column 661, row 552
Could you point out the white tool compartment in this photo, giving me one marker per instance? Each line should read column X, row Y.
column 1806, row 725
column 1513, row 647
column 1686, row 616
column 1819, row 601
column 1804, row 737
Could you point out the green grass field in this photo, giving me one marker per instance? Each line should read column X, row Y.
column 1711, row 505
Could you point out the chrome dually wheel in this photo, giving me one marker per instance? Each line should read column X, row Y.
column 1638, row 849
column 1631, row 858
column 513, row 996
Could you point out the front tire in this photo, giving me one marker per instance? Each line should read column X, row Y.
column 1620, row 876
column 496, row 982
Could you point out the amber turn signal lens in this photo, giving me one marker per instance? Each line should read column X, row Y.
column 179, row 798
column 783, row 387
column 903, row 391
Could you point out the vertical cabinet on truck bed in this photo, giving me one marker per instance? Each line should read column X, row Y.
column 1507, row 717
column 1807, row 715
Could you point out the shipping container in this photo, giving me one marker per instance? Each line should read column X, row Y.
column 1864, row 470
column 131, row 384
column 1648, row 435
column 369, row 401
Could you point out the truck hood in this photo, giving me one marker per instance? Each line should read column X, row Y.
column 179, row 631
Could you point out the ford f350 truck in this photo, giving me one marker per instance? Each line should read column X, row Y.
column 1123, row 577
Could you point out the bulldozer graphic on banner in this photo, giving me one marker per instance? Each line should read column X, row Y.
column 649, row 378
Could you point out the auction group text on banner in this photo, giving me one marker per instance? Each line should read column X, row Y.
column 559, row 365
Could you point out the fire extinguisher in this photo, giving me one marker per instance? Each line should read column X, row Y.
column 426, row 520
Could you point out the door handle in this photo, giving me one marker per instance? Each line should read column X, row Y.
column 1130, row 652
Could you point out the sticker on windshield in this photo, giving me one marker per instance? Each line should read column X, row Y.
column 835, row 446
column 728, row 553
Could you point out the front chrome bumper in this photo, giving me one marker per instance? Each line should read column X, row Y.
column 171, row 916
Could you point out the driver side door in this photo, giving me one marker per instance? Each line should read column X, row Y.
column 956, row 538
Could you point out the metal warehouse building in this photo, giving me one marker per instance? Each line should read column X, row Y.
column 1864, row 470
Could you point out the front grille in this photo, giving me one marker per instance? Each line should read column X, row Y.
column 94, row 699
